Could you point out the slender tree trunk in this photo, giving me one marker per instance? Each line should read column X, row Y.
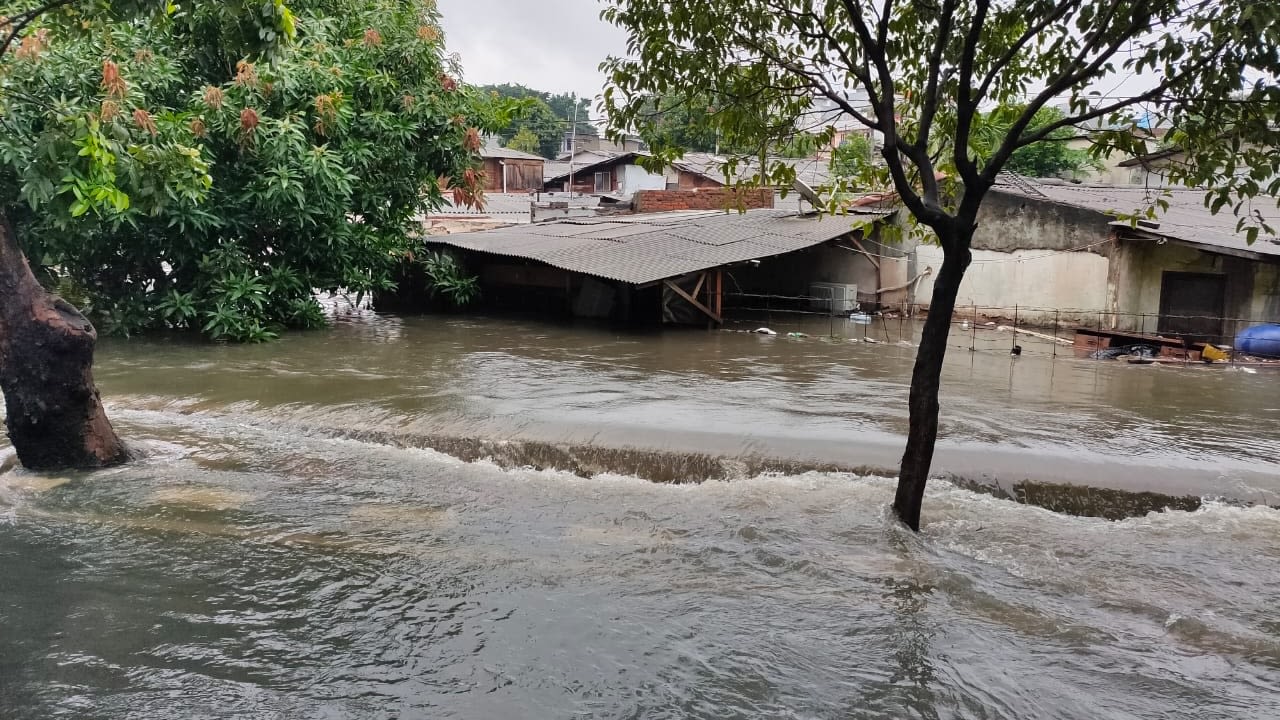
column 53, row 412
column 922, row 433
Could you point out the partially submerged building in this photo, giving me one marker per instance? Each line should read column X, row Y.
column 677, row 267
column 1088, row 256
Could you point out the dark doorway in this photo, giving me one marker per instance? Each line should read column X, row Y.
column 1191, row 306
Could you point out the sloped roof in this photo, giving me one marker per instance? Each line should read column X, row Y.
column 812, row 172
column 583, row 163
column 502, row 153
column 507, row 207
column 1186, row 220
column 645, row 248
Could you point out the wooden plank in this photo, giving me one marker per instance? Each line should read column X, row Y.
column 874, row 260
column 691, row 300
column 698, row 288
column 719, row 293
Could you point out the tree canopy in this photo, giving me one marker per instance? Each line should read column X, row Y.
column 852, row 157
column 1052, row 156
column 545, row 115
column 168, row 173
column 931, row 72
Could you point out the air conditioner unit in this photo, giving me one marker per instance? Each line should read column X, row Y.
column 834, row 298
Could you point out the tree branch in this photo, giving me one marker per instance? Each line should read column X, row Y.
column 930, row 107
column 19, row 22
column 1072, row 75
column 966, row 103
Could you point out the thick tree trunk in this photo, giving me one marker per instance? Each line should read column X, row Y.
column 53, row 412
column 922, row 433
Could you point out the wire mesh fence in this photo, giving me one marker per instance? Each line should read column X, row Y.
column 1010, row 329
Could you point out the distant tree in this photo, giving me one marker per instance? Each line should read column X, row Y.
column 929, row 70
column 562, row 105
column 525, row 140
column 852, row 158
column 532, row 114
column 1049, row 157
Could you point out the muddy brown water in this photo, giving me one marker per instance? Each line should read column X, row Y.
column 454, row 518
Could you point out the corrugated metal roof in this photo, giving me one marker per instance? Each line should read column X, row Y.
column 811, row 171
column 644, row 248
column 502, row 153
column 509, row 207
column 1186, row 219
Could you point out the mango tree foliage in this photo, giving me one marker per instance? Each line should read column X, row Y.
column 170, row 175
column 930, row 72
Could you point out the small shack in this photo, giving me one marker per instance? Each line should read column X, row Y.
column 671, row 268
column 511, row 171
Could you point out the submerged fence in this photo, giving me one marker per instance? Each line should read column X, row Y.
column 1030, row 330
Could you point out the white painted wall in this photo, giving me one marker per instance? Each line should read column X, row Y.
column 1037, row 281
column 634, row 178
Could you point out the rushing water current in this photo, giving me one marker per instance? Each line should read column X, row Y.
column 292, row 542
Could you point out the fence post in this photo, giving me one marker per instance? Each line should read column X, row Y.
column 973, row 339
column 1014, row 343
column 1056, row 313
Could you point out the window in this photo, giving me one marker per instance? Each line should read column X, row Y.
column 603, row 182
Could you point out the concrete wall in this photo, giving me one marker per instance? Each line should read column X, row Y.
column 1009, row 222
column 633, row 178
column 1253, row 288
column 1038, row 282
column 717, row 199
column 1028, row 253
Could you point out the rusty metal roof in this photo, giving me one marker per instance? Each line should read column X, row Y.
column 1186, row 220
column 645, row 248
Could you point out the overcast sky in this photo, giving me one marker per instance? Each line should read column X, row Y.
column 551, row 45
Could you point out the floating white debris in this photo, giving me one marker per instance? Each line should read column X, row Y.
column 764, row 331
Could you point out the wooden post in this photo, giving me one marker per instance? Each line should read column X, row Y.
column 720, row 293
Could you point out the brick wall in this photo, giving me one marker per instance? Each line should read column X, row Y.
column 690, row 181
column 647, row 201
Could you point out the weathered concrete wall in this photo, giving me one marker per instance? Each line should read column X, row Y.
column 1048, row 260
column 1070, row 287
column 1009, row 222
column 1253, row 288
column 1266, row 293
column 715, row 199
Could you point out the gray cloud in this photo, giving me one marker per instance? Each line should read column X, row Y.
column 552, row 45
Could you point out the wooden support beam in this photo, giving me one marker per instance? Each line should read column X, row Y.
column 692, row 300
column 719, row 305
column 858, row 244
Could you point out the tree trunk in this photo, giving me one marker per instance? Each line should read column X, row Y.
column 922, row 433
column 53, row 412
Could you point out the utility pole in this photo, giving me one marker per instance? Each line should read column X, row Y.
column 573, row 142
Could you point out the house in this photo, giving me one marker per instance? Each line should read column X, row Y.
column 696, row 170
column 603, row 173
column 585, row 142
column 621, row 176
column 1072, row 254
column 511, row 171
column 676, row 267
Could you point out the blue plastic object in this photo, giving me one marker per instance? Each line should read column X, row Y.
column 1261, row 340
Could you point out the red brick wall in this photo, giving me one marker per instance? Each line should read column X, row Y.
column 689, row 181
column 647, row 201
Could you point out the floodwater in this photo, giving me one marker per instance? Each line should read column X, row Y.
column 294, row 543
